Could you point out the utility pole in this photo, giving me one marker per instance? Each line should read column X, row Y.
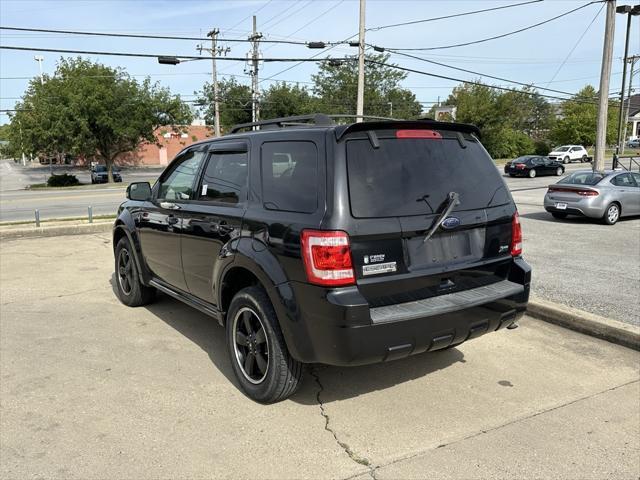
column 603, row 95
column 630, row 11
column 255, row 94
column 360, row 99
column 632, row 60
column 214, row 77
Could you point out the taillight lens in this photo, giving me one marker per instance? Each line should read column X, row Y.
column 516, row 236
column 582, row 193
column 327, row 257
column 520, row 166
column 588, row 193
column 432, row 134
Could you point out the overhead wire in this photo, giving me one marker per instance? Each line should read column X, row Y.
column 503, row 35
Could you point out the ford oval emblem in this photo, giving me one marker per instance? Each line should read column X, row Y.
column 450, row 223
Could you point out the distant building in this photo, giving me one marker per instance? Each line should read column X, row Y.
column 445, row 113
column 633, row 103
column 169, row 141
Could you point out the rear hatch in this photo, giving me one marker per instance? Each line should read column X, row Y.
column 401, row 184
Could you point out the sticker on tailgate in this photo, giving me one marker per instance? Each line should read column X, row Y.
column 379, row 268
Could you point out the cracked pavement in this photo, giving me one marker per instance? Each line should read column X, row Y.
column 92, row 389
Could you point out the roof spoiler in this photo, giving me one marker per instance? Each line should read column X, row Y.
column 343, row 130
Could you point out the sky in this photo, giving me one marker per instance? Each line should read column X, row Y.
column 563, row 54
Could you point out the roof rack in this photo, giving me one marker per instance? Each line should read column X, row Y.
column 314, row 119
column 318, row 119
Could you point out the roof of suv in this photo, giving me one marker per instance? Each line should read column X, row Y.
column 325, row 122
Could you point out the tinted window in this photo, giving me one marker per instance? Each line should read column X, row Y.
column 414, row 176
column 178, row 184
column 225, row 178
column 101, row 168
column 290, row 176
column 623, row 180
column 636, row 177
column 561, row 149
column 583, row 178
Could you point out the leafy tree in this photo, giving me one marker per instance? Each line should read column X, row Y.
column 579, row 119
column 234, row 100
column 282, row 100
column 91, row 110
column 336, row 87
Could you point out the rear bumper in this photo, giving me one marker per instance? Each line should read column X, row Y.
column 337, row 327
column 587, row 207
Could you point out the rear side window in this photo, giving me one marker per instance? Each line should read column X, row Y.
column 413, row 176
column 623, row 180
column 225, row 178
column 582, row 178
column 290, row 176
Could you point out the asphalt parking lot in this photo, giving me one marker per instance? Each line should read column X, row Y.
column 577, row 261
column 92, row 389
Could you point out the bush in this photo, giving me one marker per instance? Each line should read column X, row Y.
column 64, row 180
column 542, row 147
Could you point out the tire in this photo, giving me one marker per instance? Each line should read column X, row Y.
column 566, row 160
column 584, row 159
column 512, row 174
column 558, row 215
column 253, row 332
column 532, row 173
column 559, row 171
column 130, row 290
column 611, row 214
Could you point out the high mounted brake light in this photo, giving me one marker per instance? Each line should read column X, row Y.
column 327, row 257
column 516, row 236
column 431, row 134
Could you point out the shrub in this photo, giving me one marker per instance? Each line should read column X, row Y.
column 542, row 147
column 64, row 180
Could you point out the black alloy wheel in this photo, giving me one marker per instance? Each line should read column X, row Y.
column 129, row 288
column 125, row 271
column 250, row 345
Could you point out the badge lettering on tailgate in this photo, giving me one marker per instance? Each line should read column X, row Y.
column 379, row 268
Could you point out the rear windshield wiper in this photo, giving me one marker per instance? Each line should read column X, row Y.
column 453, row 200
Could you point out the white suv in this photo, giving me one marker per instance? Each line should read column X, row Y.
column 569, row 153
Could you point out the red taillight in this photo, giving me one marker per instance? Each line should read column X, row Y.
column 520, row 166
column 516, row 236
column 432, row 134
column 588, row 193
column 327, row 257
column 583, row 193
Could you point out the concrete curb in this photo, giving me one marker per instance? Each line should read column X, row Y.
column 55, row 230
column 584, row 322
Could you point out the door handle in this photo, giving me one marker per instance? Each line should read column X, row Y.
column 169, row 206
column 171, row 220
column 222, row 227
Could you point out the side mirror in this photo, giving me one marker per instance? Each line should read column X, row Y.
column 139, row 191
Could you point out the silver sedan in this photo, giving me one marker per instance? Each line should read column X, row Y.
column 605, row 195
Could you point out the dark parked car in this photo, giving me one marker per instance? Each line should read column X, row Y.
column 99, row 174
column 313, row 242
column 532, row 166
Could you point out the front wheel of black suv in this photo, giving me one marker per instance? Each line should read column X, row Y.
column 130, row 290
column 259, row 356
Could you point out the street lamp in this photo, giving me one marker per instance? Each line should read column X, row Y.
column 40, row 59
column 630, row 11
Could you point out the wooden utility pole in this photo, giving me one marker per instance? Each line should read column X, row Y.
column 214, row 77
column 603, row 95
column 255, row 93
column 360, row 98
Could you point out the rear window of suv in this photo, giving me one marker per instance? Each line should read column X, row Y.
column 412, row 176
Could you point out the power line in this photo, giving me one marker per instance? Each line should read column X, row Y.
column 576, row 45
column 156, row 37
column 477, row 73
column 473, row 82
column 455, row 15
column 151, row 55
column 495, row 37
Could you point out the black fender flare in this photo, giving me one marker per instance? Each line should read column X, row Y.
column 125, row 223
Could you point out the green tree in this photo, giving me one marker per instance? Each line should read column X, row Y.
column 283, row 100
column 234, row 100
column 578, row 119
column 336, row 86
column 91, row 110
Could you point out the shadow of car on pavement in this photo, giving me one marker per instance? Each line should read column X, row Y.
column 345, row 382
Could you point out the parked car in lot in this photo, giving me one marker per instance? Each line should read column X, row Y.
column 569, row 153
column 99, row 174
column 634, row 143
column 533, row 166
column 607, row 196
column 313, row 242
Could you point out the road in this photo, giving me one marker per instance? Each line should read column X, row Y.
column 93, row 389
column 18, row 204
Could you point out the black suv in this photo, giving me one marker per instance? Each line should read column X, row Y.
column 314, row 242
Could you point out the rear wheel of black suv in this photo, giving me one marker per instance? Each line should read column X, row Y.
column 130, row 290
column 259, row 356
